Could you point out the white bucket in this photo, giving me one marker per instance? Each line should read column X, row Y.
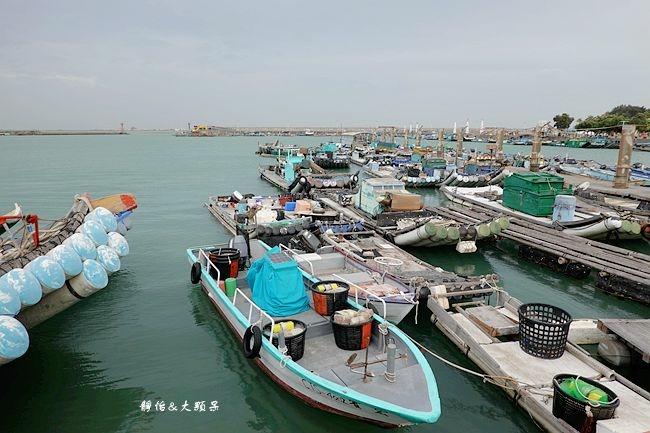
column 564, row 208
column 91, row 279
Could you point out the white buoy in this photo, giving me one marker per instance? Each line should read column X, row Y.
column 90, row 280
column 83, row 245
column 9, row 301
column 48, row 272
column 25, row 284
column 95, row 231
column 118, row 243
column 68, row 258
column 104, row 217
column 14, row 339
column 108, row 258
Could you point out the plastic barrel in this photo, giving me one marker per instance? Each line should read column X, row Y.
column 14, row 339
column 25, row 284
column 68, row 258
column 48, row 272
column 83, row 245
column 92, row 278
column 95, row 231
column 104, row 217
column 227, row 261
column 9, row 301
column 108, row 258
column 564, row 208
column 118, row 243
column 231, row 285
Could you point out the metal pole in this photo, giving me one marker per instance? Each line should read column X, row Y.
column 500, row 145
column 441, row 146
column 534, row 154
column 459, row 146
column 622, row 178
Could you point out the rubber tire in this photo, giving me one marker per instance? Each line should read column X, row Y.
column 195, row 273
column 255, row 333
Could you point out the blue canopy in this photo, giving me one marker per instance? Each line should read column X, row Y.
column 277, row 286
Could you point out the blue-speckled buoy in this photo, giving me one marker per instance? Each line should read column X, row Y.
column 93, row 278
column 118, row 243
column 14, row 339
column 48, row 272
column 68, row 258
column 95, row 231
column 25, row 284
column 9, row 301
column 108, row 258
column 83, row 245
column 104, row 217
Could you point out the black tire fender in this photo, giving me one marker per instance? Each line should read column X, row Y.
column 252, row 335
column 195, row 273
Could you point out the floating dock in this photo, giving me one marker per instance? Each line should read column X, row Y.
column 633, row 332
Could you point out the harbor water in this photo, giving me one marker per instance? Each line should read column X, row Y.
column 116, row 361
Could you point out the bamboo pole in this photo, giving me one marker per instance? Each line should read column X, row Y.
column 622, row 178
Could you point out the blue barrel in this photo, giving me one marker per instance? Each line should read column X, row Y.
column 564, row 208
column 118, row 243
column 95, row 231
column 14, row 339
column 48, row 272
column 9, row 301
column 83, row 245
column 68, row 258
column 108, row 258
column 25, row 284
column 104, row 217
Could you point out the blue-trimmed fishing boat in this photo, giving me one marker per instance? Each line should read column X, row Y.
column 388, row 383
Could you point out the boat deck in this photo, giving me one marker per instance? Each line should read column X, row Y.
column 531, row 377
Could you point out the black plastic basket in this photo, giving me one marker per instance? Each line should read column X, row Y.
column 352, row 337
column 543, row 330
column 326, row 304
column 295, row 344
column 573, row 411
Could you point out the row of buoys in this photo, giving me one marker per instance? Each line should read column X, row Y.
column 283, row 227
column 474, row 180
column 85, row 260
column 339, row 182
column 630, row 226
column 441, row 232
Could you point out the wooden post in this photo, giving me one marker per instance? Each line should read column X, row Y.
column 441, row 146
column 534, row 154
column 459, row 146
column 500, row 145
column 406, row 138
column 392, row 134
column 622, row 178
column 418, row 136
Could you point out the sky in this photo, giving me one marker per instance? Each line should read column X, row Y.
column 83, row 64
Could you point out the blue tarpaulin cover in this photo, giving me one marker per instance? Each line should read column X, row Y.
column 277, row 286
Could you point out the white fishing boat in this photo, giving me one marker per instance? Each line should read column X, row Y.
column 393, row 385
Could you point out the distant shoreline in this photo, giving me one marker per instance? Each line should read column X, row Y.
column 63, row 132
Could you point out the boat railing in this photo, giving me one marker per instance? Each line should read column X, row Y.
column 366, row 292
column 252, row 306
column 297, row 256
column 205, row 261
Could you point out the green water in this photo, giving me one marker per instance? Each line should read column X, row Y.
column 151, row 335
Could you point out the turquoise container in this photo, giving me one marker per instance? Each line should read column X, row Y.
column 25, row 284
column 14, row 339
column 68, row 258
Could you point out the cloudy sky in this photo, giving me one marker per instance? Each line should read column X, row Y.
column 79, row 64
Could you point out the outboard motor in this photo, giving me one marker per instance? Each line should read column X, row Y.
column 239, row 242
column 236, row 197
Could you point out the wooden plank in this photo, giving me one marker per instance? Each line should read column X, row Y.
column 491, row 320
column 633, row 332
column 478, row 335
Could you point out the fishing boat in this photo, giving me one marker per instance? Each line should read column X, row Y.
column 530, row 350
column 379, row 377
column 595, row 170
column 47, row 267
column 330, row 155
column 276, row 149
